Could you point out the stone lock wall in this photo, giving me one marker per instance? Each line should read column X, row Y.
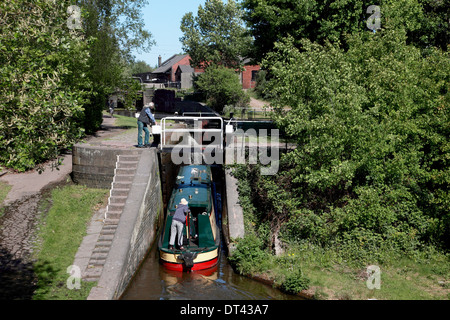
column 145, row 198
column 94, row 166
column 137, row 229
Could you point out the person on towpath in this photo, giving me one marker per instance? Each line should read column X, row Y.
column 145, row 118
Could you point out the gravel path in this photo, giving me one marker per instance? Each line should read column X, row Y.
column 259, row 104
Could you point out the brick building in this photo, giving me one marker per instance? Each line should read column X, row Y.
column 177, row 72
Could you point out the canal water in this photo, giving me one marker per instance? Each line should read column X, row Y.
column 154, row 282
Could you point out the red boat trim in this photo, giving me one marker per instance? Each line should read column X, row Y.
column 197, row 266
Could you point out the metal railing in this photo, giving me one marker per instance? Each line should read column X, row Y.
column 200, row 114
column 196, row 132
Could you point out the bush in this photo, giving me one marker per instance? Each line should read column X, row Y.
column 249, row 257
column 295, row 282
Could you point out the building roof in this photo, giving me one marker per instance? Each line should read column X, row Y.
column 168, row 64
column 184, row 68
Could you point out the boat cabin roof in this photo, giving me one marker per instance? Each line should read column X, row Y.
column 194, row 175
column 197, row 197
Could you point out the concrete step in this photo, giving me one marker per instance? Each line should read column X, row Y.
column 127, row 164
column 93, row 273
column 96, row 262
column 109, row 226
column 101, row 250
column 116, row 207
column 134, row 158
column 125, row 171
column 108, row 231
column 121, row 185
column 113, row 214
column 118, row 199
column 99, row 255
column 124, row 178
column 103, row 244
column 120, row 192
column 105, row 237
column 110, row 221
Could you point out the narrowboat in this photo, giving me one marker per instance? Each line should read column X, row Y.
column 201, row 233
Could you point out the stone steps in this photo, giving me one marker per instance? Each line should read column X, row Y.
column 120, row 187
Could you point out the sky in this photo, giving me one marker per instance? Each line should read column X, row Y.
column 163, row 18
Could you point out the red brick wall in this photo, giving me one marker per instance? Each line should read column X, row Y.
column 247, row 82
column 182, row 62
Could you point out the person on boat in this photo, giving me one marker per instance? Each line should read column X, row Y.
column 178, row 221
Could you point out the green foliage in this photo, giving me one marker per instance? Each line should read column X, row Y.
column 295, row 282
column 139, row 66
column 261, row 85
column 131, row 89
column 369, row 177
column 371, row 126
column 222, row 87
column 425, row 21
column 271, row 20
column 249, row 257
column 54, row 80
column 216, row 35
column 114, row 28
column 368, row 181
column 44, row 83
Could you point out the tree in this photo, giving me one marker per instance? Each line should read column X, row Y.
column 426, row 21
column 371, row 125
column 139, row 66
column 272, row 20
column 216, row 36
column 222, row 87
column 57, row 65
column 43, row 82
column 435, row 28
column 114, row 28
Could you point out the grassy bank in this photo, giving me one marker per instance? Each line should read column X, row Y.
column 322, row 273
column 339, row 270
column 62, row 229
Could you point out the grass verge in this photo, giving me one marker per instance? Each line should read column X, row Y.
column 4, row 190
column 61, row 233
column 322, row 273
column 126, row 122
